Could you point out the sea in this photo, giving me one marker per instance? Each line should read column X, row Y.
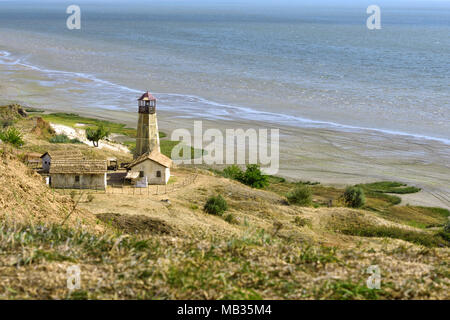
column 302, row 64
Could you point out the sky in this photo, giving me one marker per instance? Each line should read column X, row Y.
column 245, row 6
column 257, row 2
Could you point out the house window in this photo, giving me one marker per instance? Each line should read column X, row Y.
column 158, row 174
column 141, row 174
column 77, row 178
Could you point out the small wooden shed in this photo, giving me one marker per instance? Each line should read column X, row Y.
column 78, row 174
column 49, row 156
column 33, row 159
column 154, row 168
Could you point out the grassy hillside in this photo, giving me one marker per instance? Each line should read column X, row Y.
column 133, row 247
column 72, row 119
column 145, row 247
column 25, row 199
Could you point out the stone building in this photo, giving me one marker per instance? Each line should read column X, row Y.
column 78, row 174
column 150, row 168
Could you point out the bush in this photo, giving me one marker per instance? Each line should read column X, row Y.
column 354, row 197
column 216, row 205
column 230, row 218
column 90, row 198
column 253, row 177
column 445, row 232
column 447, row 226
column 12, row 136
column 62, row 138
column 301, row 196
column 233, row 172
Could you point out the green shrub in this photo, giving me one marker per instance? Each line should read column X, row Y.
column 253, row 177
column 354, row 197
column 12, row 136
column 62, row 138
column 445, row 236
column 445, row 232
column 233, row 172
column 447, row 226
column 301, row 196
column 230, row 218
column 216, row 205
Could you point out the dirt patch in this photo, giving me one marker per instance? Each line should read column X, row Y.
column 136, row 223
column 43, row 129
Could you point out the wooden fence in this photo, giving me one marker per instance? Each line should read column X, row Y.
column 131, row 190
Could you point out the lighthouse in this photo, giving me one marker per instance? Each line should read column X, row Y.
column 147, row 130
column 149, row 166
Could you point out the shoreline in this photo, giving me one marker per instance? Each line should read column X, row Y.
column 236, row 111
column 335, row 155
column 332, row 157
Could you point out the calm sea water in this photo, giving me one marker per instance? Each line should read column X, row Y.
column 300, row 66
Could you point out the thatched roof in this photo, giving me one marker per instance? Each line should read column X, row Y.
column 64, row 154
column 78, row 166
column 33, row 155
column 155, row 156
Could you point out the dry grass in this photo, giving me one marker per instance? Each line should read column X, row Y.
column 179, row 252
column 24, row 197
column 142, row 247
column 253, row 265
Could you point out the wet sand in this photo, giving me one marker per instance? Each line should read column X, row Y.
column 335, row 157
